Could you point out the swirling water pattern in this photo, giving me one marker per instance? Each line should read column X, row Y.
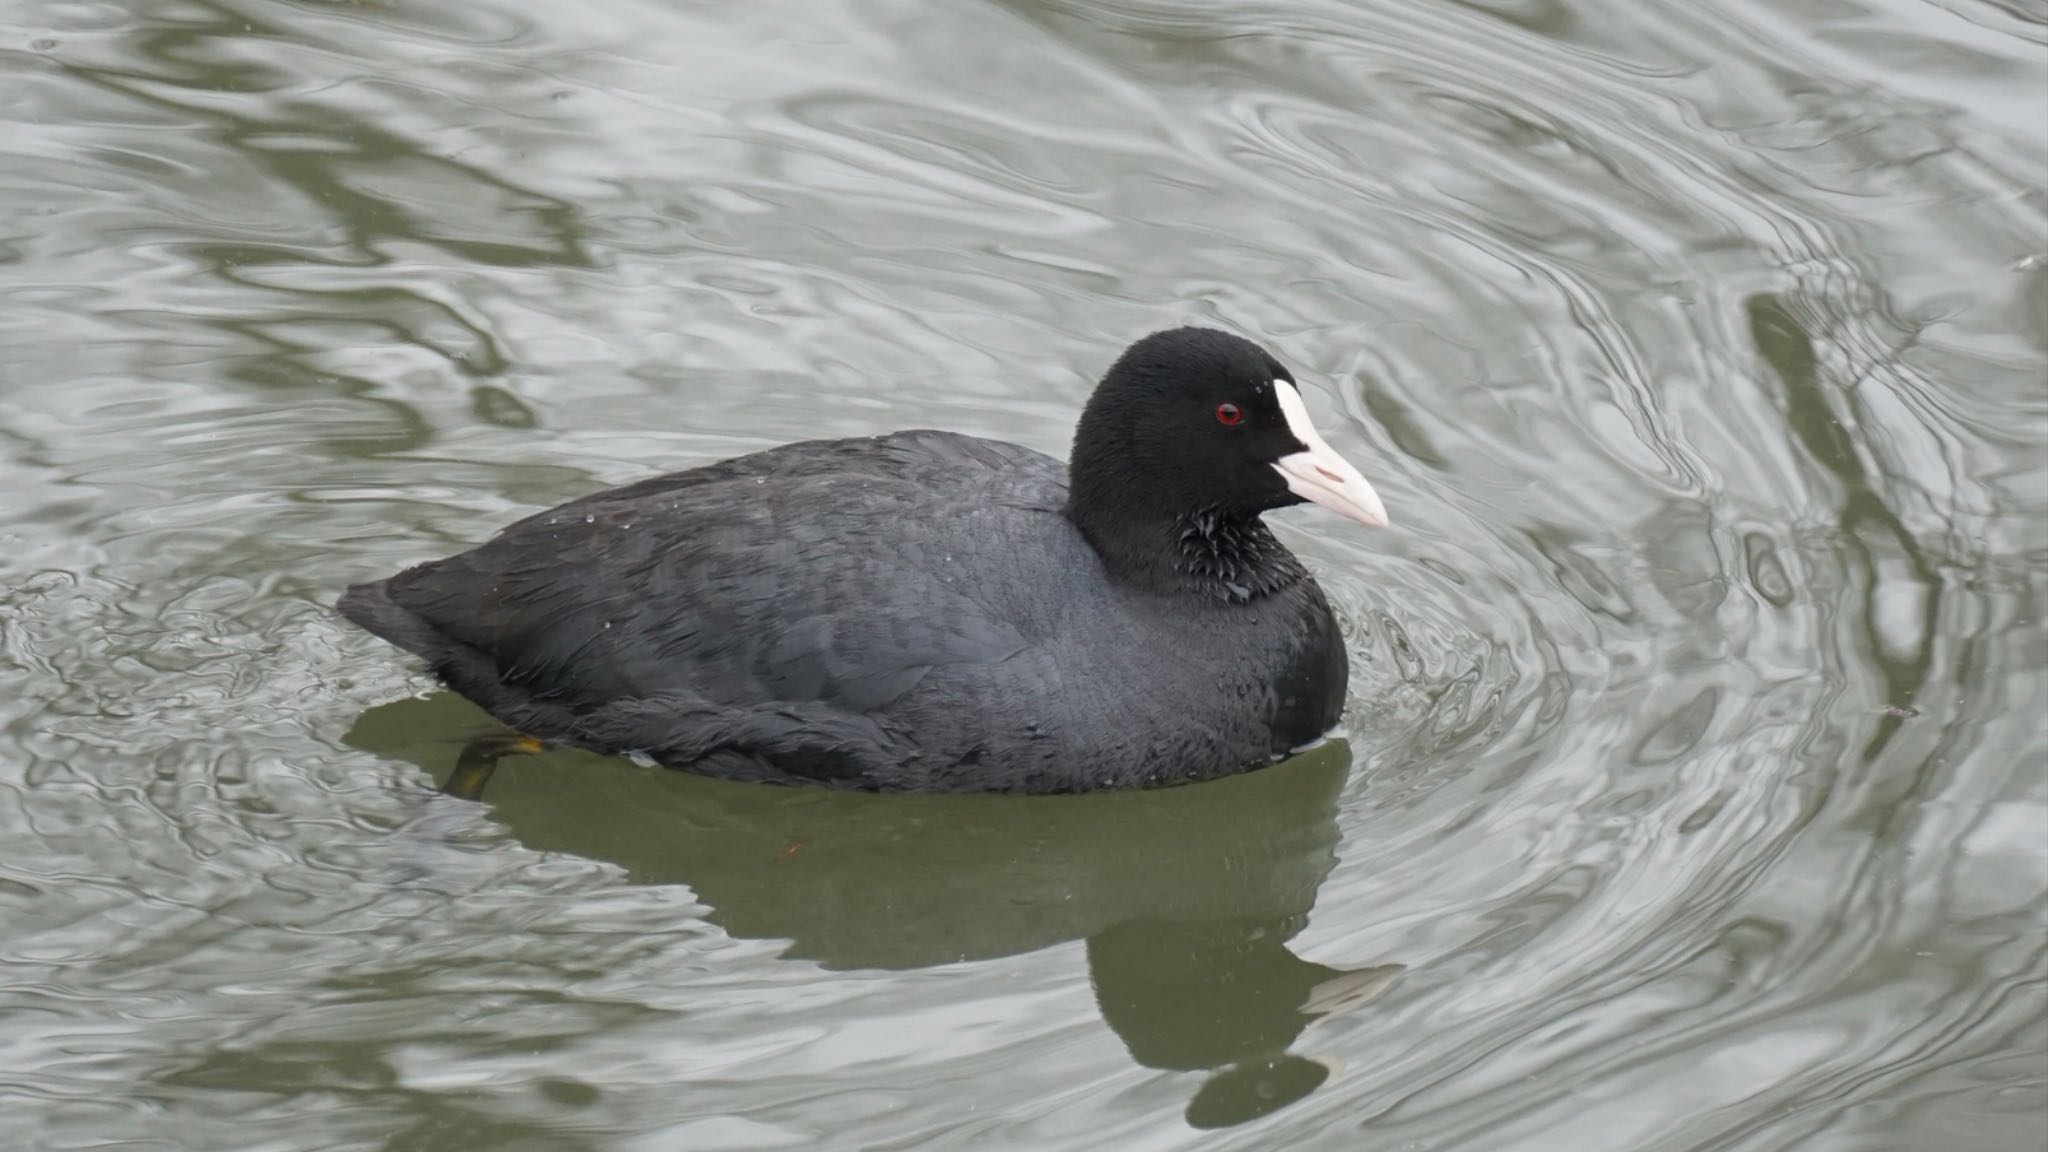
column 1694, row 796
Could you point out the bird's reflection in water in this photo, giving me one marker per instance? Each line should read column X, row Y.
column 1187, row 897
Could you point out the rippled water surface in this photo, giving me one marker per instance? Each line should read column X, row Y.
column 1694, row 792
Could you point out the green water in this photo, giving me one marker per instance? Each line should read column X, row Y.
column 1695, row 789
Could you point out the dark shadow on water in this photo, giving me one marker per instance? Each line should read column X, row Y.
column 1868, row 527
column 1187, row 897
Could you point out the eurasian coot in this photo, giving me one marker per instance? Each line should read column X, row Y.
column 926, row 611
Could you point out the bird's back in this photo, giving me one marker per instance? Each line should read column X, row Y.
column 822, row 581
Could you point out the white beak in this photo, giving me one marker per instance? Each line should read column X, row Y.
column 1319, row 475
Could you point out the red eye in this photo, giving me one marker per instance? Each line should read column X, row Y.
column 1228, row 414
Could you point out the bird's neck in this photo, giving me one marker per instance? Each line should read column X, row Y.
column 1211, row 554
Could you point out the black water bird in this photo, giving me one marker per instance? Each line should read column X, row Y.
column 926, row 611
